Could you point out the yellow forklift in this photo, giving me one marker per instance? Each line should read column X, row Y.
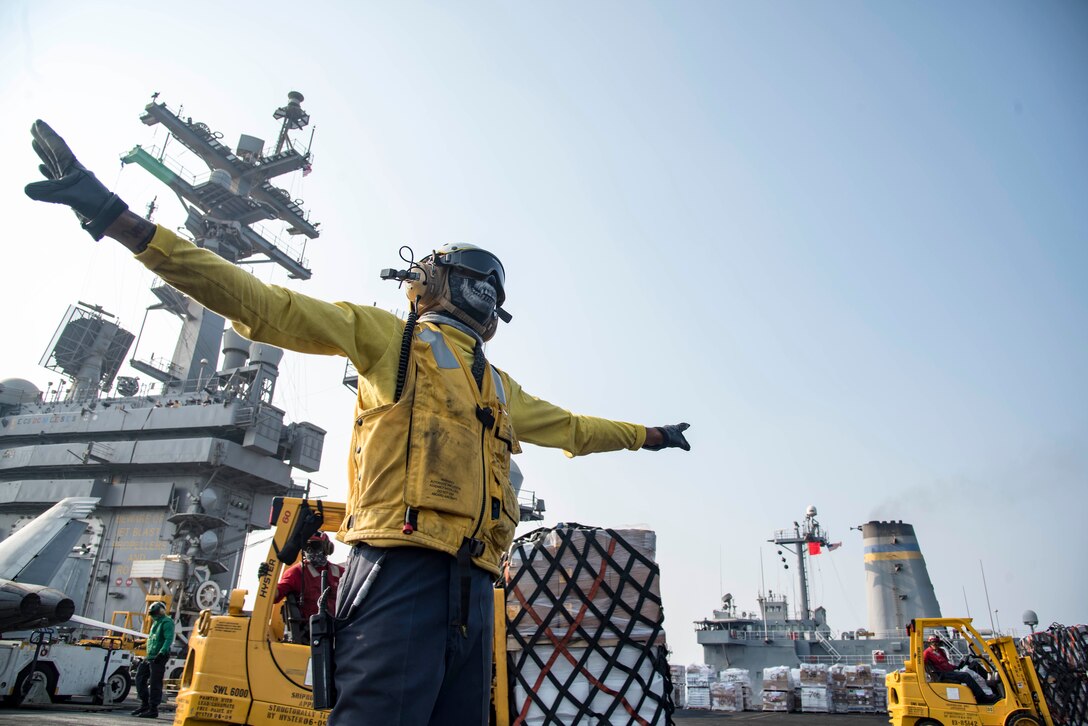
column 241, row 667
column 1008, row 688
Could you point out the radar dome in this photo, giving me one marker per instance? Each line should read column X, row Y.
column 811, row 511
column 14, row 391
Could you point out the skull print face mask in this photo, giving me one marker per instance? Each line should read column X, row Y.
column 476, row 298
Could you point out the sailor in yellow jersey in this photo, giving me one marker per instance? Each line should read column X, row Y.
column 430, row 504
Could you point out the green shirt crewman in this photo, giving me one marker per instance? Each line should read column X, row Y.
column 152, row 669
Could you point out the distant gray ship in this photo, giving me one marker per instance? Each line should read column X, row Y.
column 899, row 590
column 186, row 464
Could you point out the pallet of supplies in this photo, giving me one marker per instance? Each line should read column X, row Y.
column 777, row 678
column 585, row 628
column 856, row 700
column 725, row 697
column 743, row 680
column 618, row 685
column 678, row 677
column 814, row 674
column 1060, row 655
column 880, row 691
column 698, row 679
column 859, row 676
column 815, row 699
column 781, row 701
column 778, row 689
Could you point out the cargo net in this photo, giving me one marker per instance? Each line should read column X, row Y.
column 1060, row 655
column 585, row 635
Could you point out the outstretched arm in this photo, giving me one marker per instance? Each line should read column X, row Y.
column 539, row 422
column 267, row 313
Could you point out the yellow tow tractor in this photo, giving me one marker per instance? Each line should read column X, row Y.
column 241, row 667
column 1010, row 689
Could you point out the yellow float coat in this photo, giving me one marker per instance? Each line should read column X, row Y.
column 443, row 450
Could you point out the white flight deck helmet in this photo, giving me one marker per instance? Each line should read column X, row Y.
column 466, row 264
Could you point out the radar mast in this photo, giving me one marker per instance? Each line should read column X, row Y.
column 223, row 206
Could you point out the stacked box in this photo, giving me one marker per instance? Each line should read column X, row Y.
column 836, row 688
column 678, row 676
column 778, row 689
column 851, row 689
column 815, row 699
column 743, row 681
column 583, row 680
column 880, row 691
column 859, row 676
column 1060, row 657
column 814, row 679
column 584, row 583
column 855, row 700
column 698, row 679
column 859, row 697
column 815, row 675
column 725, row 697
column 585, row 629
column 778, row 701
column 777, row 678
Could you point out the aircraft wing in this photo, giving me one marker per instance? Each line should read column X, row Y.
column 35, row 552
column 32, row 555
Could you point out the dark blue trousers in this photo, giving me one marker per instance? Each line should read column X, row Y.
column 149, row 675
column 400, row 656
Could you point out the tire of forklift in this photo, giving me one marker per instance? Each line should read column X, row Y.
column 43, row 673
column 117, row 687
column 1023, row 719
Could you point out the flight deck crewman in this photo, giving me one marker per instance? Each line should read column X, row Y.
column 152, row 669
column 430, row 507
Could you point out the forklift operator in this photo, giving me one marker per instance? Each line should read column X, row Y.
column 430, row 508
column 303, row 579
column 936, row 662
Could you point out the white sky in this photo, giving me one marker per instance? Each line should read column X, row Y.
column 845, row 241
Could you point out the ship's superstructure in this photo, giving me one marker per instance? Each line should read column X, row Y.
column 899, row 587
column 184, row 466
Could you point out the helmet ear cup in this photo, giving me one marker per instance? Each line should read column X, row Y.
column 327, row 545
column 427, row 290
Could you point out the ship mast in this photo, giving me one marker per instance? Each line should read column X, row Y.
column 222, row 207
column 807, row 537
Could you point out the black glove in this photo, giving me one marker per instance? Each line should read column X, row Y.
column 262, row 570
column 672, row 437
column 70, row 183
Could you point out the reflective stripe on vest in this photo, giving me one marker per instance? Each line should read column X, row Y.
column 443, row 356
column 499, row 390
column 446, row 358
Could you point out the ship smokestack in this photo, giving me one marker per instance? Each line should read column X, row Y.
column 898, row 581
column 235, row 350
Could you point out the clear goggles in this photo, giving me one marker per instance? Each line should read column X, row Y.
column 478, row 264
